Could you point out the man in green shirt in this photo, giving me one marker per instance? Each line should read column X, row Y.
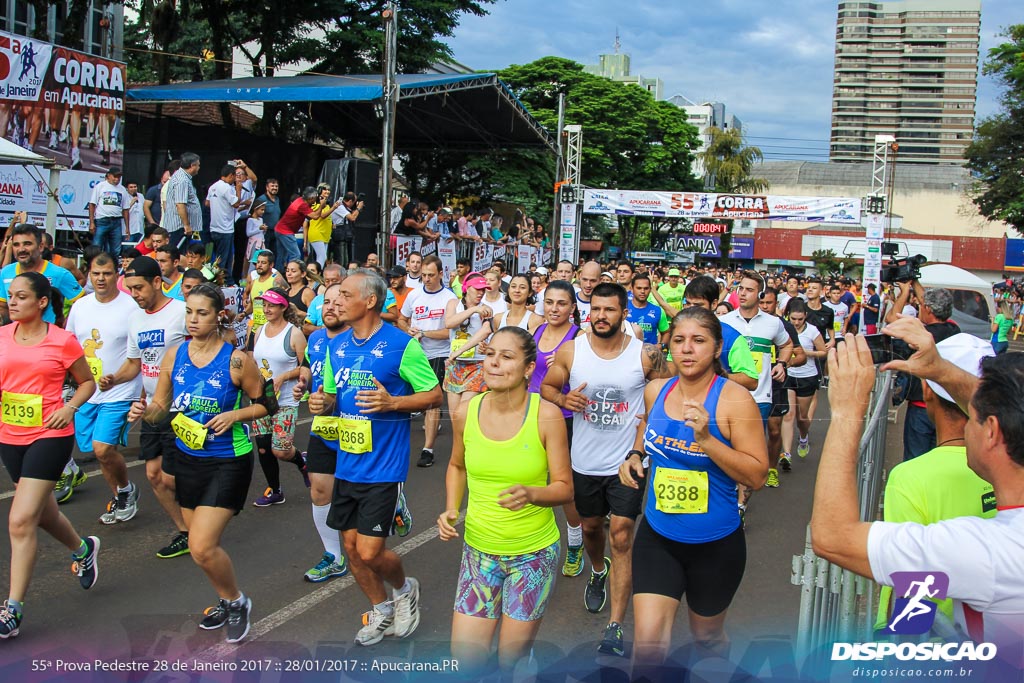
column 672, row 293
column 939, row 485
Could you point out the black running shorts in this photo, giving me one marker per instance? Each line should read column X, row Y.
column 803, row 386
column 707, row 573
column 212, row 482
column 42, row 459
column 597, row 496
column 367, row 508
column 780, row 400
column 320, row 458
column 158, row 441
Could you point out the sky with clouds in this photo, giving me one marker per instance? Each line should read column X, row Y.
column 770, row 63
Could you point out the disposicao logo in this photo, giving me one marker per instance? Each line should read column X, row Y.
column 914, row 613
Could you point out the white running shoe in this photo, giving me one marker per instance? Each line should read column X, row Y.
column 76, row 158
column 376, row 625
column 407, row 610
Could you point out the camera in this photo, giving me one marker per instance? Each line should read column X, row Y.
column 361, row 196
column 903, row 270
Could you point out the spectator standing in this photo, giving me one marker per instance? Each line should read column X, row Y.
column 108, row 212
column 289, row 224
column 152, row 207
column 223, row 199
column 135, row 214
column 272, row 214
column 342, row 235
column 182, row 211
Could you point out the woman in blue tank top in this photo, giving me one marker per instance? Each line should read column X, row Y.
column 201, row 382
column 703, row 436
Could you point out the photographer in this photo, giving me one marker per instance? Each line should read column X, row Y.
column 343, row 219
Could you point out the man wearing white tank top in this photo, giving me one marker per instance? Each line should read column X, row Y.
column 607, row 370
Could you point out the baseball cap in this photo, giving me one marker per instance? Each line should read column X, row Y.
column 476, row 281
column 964, row 351
column 542, row 270
column 272, row 297
column 673, row 271
column 446, row 209
column 144, row 266
column 114, row 171
column 397, row 271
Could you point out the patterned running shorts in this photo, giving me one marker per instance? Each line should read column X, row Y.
column 517, row 586
column 281, row 427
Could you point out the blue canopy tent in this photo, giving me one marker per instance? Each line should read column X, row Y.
column 435, row 112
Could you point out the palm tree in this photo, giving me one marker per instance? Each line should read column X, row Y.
column 728, row 163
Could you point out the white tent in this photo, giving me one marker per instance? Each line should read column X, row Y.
column 944, row 275
column 11, row 153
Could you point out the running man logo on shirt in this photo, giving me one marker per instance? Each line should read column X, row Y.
column 350, row 378
column 914, row 612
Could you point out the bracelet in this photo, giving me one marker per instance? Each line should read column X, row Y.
column 74, row 408
column 633, row 452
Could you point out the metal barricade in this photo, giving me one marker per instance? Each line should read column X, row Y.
column 835, row 603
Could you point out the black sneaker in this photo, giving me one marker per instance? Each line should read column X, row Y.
column 238, row 619
column 86, row 566
column 215, row 617
column 426, row 459
column 177, row 547
column 10, row 622
column 611, row 644
column 596, row 594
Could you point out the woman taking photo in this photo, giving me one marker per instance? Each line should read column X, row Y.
column 299, row 293
column 703, row 435
column 215, row 465
column 37, row 433
column 802, row 380
column 464, row 374
column 510, row 451
column 318, row 230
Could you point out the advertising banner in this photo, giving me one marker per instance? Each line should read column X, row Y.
column 524, row 256
column 53, row 99
column 405, row 246
column 843, row 210
column 710, row 246
column 24, row 189
column 567, row 233
column 482, row 256
column 446, row 252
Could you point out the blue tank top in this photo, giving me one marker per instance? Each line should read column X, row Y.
column 316, row 354
column 670, row 445
column 202, row 392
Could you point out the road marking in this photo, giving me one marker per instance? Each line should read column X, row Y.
column 134, row 463
column 304, row 604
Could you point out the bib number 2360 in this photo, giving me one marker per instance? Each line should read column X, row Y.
column 354, row 436
column 681, row 491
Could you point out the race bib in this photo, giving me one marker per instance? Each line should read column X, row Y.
column 458, row 344
column 95, row 367
column 680, row 491
column 354, row 436
column 22, row 410
column 326, row 427
column 759, row 360
column 191, row 433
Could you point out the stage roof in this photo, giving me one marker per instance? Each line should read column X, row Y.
column 435, row 112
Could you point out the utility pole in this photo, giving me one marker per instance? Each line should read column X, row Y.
column 389, row 106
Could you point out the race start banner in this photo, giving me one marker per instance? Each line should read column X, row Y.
column 842, row 210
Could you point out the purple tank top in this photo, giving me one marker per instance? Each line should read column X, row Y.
column 541, row 371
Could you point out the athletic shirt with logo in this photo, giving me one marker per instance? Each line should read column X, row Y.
column 806, row 337
column 651, row 319
column 461, row 334
column 200, row 393
column 316, row 355
column 275, row 356
column 981, row 557
column 103, row 331
column 259, row 287
column 688, row 475
column 604, row 431
column 397, row 361
column 493, row 466
column 764, row 334
column 425, row 311
column 151, row 334
column 584, row 309
column 841, row 311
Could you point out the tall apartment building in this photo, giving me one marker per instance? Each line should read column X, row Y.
column 102, row 30
column 910, row 69
column 616, row 67
column 704, row 117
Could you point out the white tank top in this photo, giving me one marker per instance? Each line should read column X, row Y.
column 523, row 324
column 604, row 432
column 461, row 334
column 499, row 306
column 274, row 356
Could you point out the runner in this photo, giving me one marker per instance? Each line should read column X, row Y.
column 384, row 376
column 263, row 280
column 736, row 359
column 802, row 380
column 651, row 319
column 422, row 316
column 518, row 314
column 590, row 275
column 102, row 324
column 840, row 309
column 37, row 436
column 608, row 371
column 494, row 296
column 214, row 459
column 298, row 293
column 671, row 293
column 167, row 257
column 333, row 275
column 158, row 325
column 691, row 539
column 468, row 320
column 277, row 348
column 510, row 452
column 27, row 249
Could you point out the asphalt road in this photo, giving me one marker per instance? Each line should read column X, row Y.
column 145, row 610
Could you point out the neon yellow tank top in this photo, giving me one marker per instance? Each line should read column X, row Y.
column 258, row 318
column 492, row 467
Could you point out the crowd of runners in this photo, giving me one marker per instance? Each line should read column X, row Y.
column 648, row 404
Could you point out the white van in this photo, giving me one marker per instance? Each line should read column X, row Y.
column 973, row 306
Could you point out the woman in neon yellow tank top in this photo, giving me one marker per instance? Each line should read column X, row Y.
column 509, row 444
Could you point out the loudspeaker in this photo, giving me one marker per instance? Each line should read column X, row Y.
column 360, row 177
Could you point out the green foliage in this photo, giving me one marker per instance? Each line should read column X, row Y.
column 730, row 163
column 996, row 156
column 830, row 264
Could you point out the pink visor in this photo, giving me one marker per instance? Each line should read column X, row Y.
column 477, row 282
column 273, row 298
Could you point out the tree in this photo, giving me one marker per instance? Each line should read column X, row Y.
column 829, row 263
column 996, row 156
column 729, row 163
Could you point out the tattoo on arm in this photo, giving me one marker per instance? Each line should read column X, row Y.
column 659, row 368
column 236, row 363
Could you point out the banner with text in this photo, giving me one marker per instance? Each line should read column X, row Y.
column 24, row 189
column 843, row 210
column 405, row 246
column 567, row 232
column 482, row 256
column 710, row 246
column 446, row 252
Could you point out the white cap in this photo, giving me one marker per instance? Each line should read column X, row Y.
column 964, row 351
column 542, row 270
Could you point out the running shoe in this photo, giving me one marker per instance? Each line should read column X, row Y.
column 127, row 503
column 611, row 644
column 773, row 479
column 573, row 565
column 215, row 617
column 596, row 594
column 238, row 619
column 53, row 140
column 76, row 159
column 269, row 497
column 326, row 568
column 786, row 462
column 10, row 622
column 86, row 566
column 67, row 484
column 403, row 516
column 426, row 459
column 407, row 609
column 109, row 515
column 376, row 625
column 177, row 547
column 803, row 448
